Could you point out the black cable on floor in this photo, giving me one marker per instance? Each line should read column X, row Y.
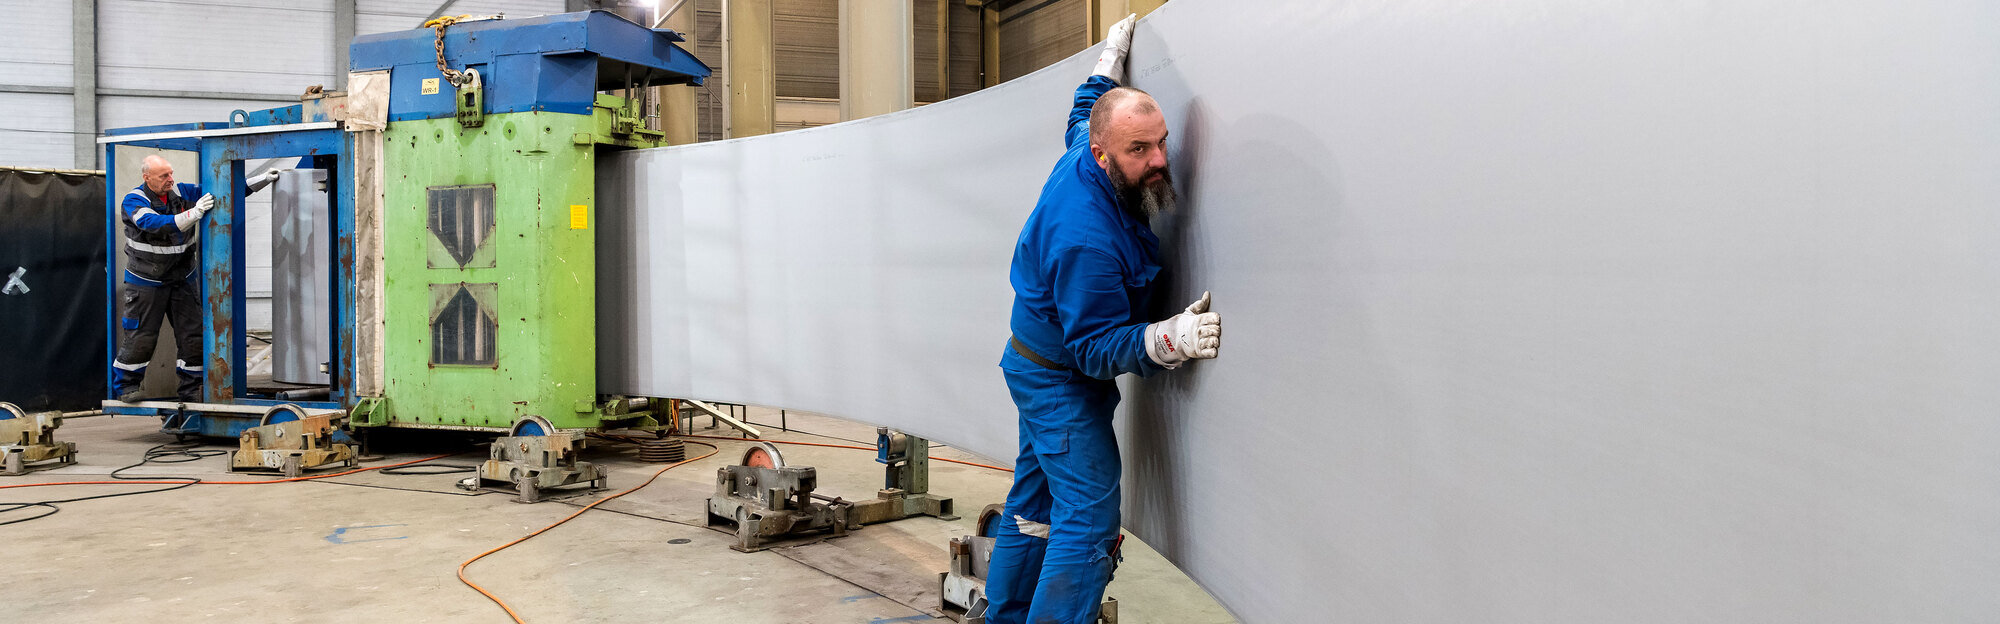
column 181, row 453
column 391, row 487
column 412, row 469
column 746, row 420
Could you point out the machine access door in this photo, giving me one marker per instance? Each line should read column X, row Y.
column 301, row 289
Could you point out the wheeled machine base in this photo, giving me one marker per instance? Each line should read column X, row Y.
column 290, row 440
column 28, row 441
column 534, row 459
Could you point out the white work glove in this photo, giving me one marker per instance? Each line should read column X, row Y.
column 1117, row 42
column 258, row 183
column 187, row 218
column 1194, row 334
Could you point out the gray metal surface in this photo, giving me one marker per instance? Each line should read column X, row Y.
column 1537, row 311
column 301, row 268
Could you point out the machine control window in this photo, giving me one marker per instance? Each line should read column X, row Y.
column 461, row 225
column 463, row 324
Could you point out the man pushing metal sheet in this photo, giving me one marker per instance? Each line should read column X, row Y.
column 1084, row 266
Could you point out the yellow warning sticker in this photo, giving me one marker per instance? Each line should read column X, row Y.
column 579, row 216
column 430, row 86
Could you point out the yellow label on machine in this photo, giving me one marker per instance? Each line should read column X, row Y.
column 430, row 86
column 579, row 216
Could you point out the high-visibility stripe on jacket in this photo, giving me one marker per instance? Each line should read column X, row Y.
column 159, row 251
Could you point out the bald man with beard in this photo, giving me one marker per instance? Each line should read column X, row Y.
column 1086, row 262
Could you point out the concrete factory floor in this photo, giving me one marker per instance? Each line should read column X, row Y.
column 334, row 551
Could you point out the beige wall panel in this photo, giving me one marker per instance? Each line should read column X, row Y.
column 1034, row 35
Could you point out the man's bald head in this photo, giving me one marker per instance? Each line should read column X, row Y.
column 1119, row 100
column 152, row 163
column 157, row 173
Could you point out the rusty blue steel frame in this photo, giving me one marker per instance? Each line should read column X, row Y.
column 222, row 254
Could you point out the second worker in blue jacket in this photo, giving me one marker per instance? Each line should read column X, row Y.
column 1085, row 263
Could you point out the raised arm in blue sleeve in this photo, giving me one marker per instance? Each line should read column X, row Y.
column 1096, row 314
column 1079, row 114
column 139, row 211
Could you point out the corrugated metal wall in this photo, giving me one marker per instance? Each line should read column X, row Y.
column 808, row 58
column 1035, row 34
column 35, row 127
column 275, row 47
column 38, row 43
column 375, row 16
column 35, row 130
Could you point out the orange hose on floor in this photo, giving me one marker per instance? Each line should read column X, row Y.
column 843, row 446
column 146, row 481
column 503, row 604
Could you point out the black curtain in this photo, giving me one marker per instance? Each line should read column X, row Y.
column 52, row 300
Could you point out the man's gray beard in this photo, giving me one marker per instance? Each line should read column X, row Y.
column 1145, row 202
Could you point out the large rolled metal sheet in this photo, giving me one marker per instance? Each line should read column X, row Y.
column 1536, row 311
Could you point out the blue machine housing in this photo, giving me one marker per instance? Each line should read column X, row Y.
column 554, row 63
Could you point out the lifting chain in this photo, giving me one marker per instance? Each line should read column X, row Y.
column 453, row 76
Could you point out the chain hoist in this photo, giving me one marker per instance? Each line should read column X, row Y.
column 453, row 76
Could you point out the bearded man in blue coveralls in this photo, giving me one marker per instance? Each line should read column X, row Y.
column 1085, row 263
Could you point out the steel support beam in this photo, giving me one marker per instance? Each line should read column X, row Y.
column 680, row 116
column 989, row 45
column 199, row 95
column 746, row 428
column 1103, row 13
column 445, row 6
column 749, row 69
column 876, row 66
column 343, row 35
column 159, row 93
column 944, row 49
column 83, row 78
column 11, row 88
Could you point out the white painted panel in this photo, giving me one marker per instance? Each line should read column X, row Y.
column 38, row 45
column 418, row 10
column 128, row 111
column 378, row 16
column 1538, row 311
column 266, row 46
column 35, row 131
column 371, row 23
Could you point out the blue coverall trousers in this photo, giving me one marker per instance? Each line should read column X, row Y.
column 1065, row 480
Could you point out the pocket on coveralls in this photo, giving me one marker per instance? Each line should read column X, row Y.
column 1051, row 442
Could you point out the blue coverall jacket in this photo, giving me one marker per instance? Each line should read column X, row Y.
column 1082, row 270
column 159, row 251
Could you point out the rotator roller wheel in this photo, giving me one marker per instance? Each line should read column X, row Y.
column 763, row 455
column 281, row 413
column 989, row 521
column 531, row 425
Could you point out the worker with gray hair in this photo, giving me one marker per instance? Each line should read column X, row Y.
column 1084, row 266
column 162, row 254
